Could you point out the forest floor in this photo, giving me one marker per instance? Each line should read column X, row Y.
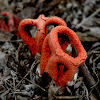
column 20, row 77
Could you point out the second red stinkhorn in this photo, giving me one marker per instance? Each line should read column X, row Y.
column 9, row 22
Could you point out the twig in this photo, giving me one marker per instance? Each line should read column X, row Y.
column 34, row 84
column 95, row 72
column 14, row 87
column 88, row 37
column 7, row 83
column 94, row 68
column 19, row 48
column 87, row 75
column 2, row 96
column 38, row 86
column 19, row 40
column 67, row 97
column 86, row 19
column 27, row 74
column 87, row 93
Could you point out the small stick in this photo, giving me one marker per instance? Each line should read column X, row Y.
column 90, row 80
column 27, row 74
column 34, row 84
column 38, row 86
column 68, row 97
column 86, row 19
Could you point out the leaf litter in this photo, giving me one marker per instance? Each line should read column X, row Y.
column 20, row 77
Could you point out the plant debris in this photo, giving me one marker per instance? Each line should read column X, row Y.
column 20, row 77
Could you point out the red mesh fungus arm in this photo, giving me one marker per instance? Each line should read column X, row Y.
column 55, row 54
column 35, row 45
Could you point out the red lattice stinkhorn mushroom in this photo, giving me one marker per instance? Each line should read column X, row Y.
column 9, row 22
column 35, row 45
column 53, row 54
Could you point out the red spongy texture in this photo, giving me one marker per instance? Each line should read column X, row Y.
column 46, row 54
column 55, row 54
column 30, row 41
column 65, row 77
column 41, row 23
column 56, row 48
column 42, row 29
